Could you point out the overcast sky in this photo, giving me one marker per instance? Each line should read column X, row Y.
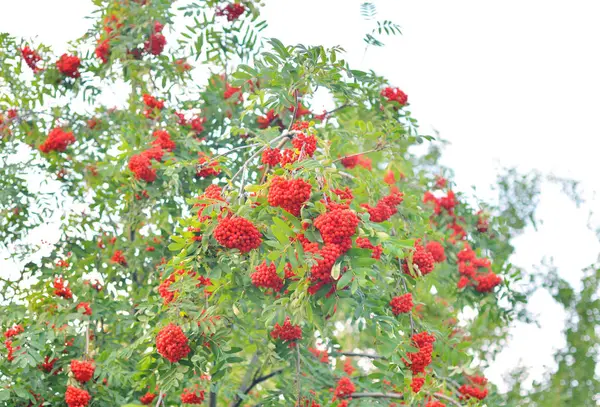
column 508, row 83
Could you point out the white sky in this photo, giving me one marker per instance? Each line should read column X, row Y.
column 508, row 83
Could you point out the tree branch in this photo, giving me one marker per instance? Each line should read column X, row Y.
column 380, row 146
column 255, row 382
column 360, row 355
column 447, row 398
column 377, row 396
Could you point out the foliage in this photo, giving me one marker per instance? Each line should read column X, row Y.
column 149, row 231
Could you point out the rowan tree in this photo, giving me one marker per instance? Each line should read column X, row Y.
column 225, row 242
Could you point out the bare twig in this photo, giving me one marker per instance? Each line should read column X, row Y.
column 447, row 398
column 254, row 383
column 360, row 355
column 161, row 395
column 377, row 395
column 295, row 110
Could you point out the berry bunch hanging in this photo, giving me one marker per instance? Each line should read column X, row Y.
column 172, row 344
column 237, row 233
column 290, row 195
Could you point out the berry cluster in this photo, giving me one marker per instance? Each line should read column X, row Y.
column 475, row 390
column 162, row 140
column 447, row 202
column 364, row 243
column 338, row 227
column 290, row 195
column 435, row 403
column 83, row 371
column 349, row 369
column 147, row 398
column 61, row 288
column 322, row 355
column 266, row 276
column 13, row 331
column 402, row 304
column 237, row 233
column 476, row 271
column 395, row 95
column 172, row 344
column 31, row 58
column 231, row 91
column 68, row 65
column 157, row 41
column 437, row 251
column 232, row 11
column 351, row 161
column 266, row 121
column 389, row 177
column 271, row 156
column 87, row 310
column 48, row 365
column 287, row 332
column 153, row 105
column 119, row 258
column 141, row 166
column 300, row 111
column 305, row 144
column 206, row 167
column 385, row 208
column 57, row 140
column 422, row 261
column 421, row 359
column 196, row 123
column 75, row 397
column 343, row 389
column 192, row 396
column 417, row 383
column 212, row 192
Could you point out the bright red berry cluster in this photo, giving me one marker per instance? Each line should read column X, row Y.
column 232, row 11
column 172, row 344
column 75, row 397
column 13, row 331
column 437, row 251
column 322, row 355
column 364, row 243
column 237, row 233
column 141, row 166
column 82, row 370
column 266, row 276
column 231, row 91
column 435, row 403
column 31, row 58
column 351, row 161
column 192, row 396
column 476, row 271
column 61, row 288
column 290, row 195
column 421, row 359
column 343, row 389
column 394, row 95
column 68, row 65
column 476, row 389
column 48, row 364
column 349, row 369
column 119, row 258
column 338, row 227
column 157, row 41
column 147, row 398
column 162, row 140
column 422, row 260
column 153, row 105
column 87, row 310
column 207, row 167
column 271, row 156
column 417, row 383
column 385, row 208
column 57, row 140
column 305, row 144
column 402, row 304
column 287, row 332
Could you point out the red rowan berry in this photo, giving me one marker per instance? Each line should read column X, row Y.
column 385, row 208
column 322, row 355
column 486, row 282
column 437, row 251
column 237, row 233
column 147, row 398
column 102, row 50
column 163, row 140
column 435, row 403
column 364, row 243
column 337, row 226
column 61, row 289
column 192, row 396
column 321, row 271
column 31, row 58
column 472, row 392
column 422, row 260
column 75, row 397
column 349, row 369
column 119, row 258
column 230, row 91
column 141, row 166
column 344, row 388
column 68, row 65
column 394, row 95
column 306, row 145
column 350, row 161
column 266, row 277
column 389, row 177
column 48, row 364
column 288, row 156
column 207, row 168
column 271, row 157
column 212, row 192
column 417, row 383
column 87, row 310
column 266, row 121
column 83, row 370
column 172, row 344
column 232, row 11
column 402, row 304
column 156, row 43
column 290, row 195
column 287, row 332
column 13, row 331
column 57, row 140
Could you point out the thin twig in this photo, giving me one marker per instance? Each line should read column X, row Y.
column 447, row 398
column 87, row 339
column 360, row 355
column 377, row 395
column 254, row 383
column 295, row 110
column 298, row 382
column 379, row 147
column 161, row 395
